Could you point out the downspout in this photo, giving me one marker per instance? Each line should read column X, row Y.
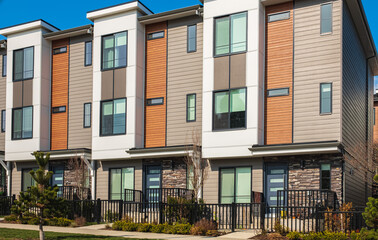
column 92, row 166
column 7, row 168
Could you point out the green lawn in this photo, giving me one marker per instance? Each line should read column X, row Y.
column 6, row 233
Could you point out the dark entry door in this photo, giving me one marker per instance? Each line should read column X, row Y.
column 153, row 183
column 276, row 179
column 58, row 178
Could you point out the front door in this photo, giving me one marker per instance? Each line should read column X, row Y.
column 276, row 179
column 153, row 183
column 57, row 178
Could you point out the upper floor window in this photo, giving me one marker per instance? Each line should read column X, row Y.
column 22, row 125
column 87, row 115
column 191, row 107
column 88, row 53
column 3, row 117
column 231, row 34
column 155, row 101
column 23, row 64
column 4, row 66
column 155, row 35
column 326, row 18
column 278, row 16
column 325, row 176
column 229, row 109
column 192, row 38
column 60, row 109
column 60, row 50
column 278, row 92
column 113, row 117
column 114, row 51
column 325, row 98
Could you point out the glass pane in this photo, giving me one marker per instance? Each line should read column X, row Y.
column 222, row 36
column 227, row 183
column 326, row 18
column 120, row 49
column 278, row 16
column 326, row 183
column 192, row 35
column 115, row 182
column 17, row 122
column 3, row 121
column 191, row 107
column 190, row 176
column 119, row 116
column 277, row 180
column 221, row 113
column 243, row 185
column 325, row 98
column 108, row 52
column 27, row 180
column 87, row 115
column 239, row 32
column 326, row 167
column 237, row 116
column 4, row 65
column 28, row 62
column 27, row 124
column 88, row 53
column 278, row 92
column 107, row 118
column 18, row 64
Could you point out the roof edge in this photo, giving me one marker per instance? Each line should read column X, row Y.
column 68, row 32
column 191, row 10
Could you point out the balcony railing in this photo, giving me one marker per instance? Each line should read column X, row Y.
column 131, row 195
column 74, row 193
column 307, row 198
column 156, row 195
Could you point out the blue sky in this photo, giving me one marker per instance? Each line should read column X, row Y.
column 72, row 13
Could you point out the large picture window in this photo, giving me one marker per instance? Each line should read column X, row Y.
column 121, row 179
column 229, row 109
column 114, row 51
column 235, row 185
column 27, row 180
column 22, row 123
column 23, row 64
column 231, row 34
column 113, row 117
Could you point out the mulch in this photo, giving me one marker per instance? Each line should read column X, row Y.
column 270, row 236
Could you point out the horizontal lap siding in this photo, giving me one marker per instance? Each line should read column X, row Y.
column 317, row 59
column 80, row 92
column 17, row 175
column 184, row 77
column 59, row 96
column 3, row 82
column 156, row 78
column 279, row 74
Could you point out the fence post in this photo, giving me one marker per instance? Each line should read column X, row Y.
column 120, row 209
column 233, row 216
column 195, row 213
column 13, row 198
column 262, row 215
column 161, row 217
column 98, row 210
column 316, row 219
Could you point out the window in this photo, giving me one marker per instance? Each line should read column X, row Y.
column 87, row 115
column 88, row 53
column 121, row 179
column 325, row 176
column 4, row 67
column 191, row 107
column 113, row 117
column 60, row 50
column 374, row 116
column 3, row 117
column 326, row 18
column 61, row 109
column 325, row 98
column 22, row 125
column 229, row 109
column 23, row 64
column 189, row 177
column 155, row 101
column 278, row 16
column 192, row 38
column 114, row 51
column 155, row 35
column 231, row 34
column 27, row 180
column 278, row 92
column 235, row 185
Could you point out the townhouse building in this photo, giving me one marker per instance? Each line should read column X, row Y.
column 278, row 94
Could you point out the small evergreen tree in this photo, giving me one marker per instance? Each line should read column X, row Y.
column 39, row 202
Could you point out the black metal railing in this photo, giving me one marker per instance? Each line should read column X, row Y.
column 340, row 221
column 307, row 198
column 6, row 203
column 131, row 195
column 156, row 195
column 74, row 193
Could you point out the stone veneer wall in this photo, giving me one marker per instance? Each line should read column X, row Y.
column 173, row 171
column 69, row 173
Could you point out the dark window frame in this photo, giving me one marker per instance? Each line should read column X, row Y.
column 3, row 120
column 22, row 126
column 187, row 107
column 195, row 39
column 229, row 109
column 330, row 32
column 321, row 176
column 150, row 35
column 320, row 99
column 55, row 52
column 148, row 101
column 55, row 110
column 220, row 182
column 102, row 50
column 90, row 115
column 91, row 53
column 4, row 65
column 110, row 182
column 112, row 100
column 273, row 89
column 214, row 35
column 14, row 64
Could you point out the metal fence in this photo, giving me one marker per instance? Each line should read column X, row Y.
column 340, row 221
column 307, row 198
column 6, row 204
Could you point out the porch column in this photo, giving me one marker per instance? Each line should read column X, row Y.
column 92, row 167
column 8, row 172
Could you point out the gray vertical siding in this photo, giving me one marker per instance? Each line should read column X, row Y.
column 3, row 81
column 355, row 111
column 184, row 77
column 80, row 92
column 317, row 59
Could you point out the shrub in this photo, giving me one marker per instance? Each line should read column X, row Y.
column 111, row 216
column 157, row 228
column 181, row 228
column 278, row 228
column 201, row 227
column 61, row 222
column 126, row 218
column 80, row 221
column 367, row 234
column 144, row 227
column 212, row 233
column 371, row 213
column 117, row 225
column 11, row 218
column 33, row 221
column 294, row 235
column 129, row 226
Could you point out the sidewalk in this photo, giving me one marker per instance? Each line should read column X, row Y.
column 100, row 230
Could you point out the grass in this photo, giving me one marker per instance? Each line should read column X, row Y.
column 6, row 233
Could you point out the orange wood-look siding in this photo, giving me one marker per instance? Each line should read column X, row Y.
column 59, row 96
column 279, row 74
column 156, row 85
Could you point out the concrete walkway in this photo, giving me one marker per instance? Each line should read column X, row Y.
column 100, row 230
